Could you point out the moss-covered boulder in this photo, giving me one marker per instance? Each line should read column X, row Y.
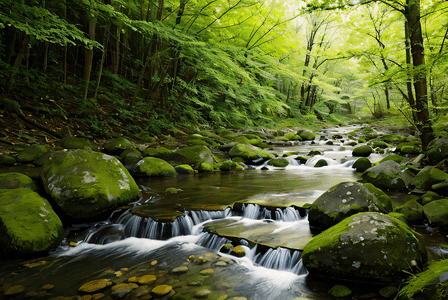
column 154, row 167
column 437, row 150
column 302, row 159
column 72, row 142
column 437, row 212
column 394, row 157
column 199, row 157
column 278, row 162
column 17, row 180
column 6, row 160
column 131, row 156
column 85, row 184
column 430, row 284
column 394, row 138
column 251, row 154
column 429, row 196
column 369, row 246
column 314, row 152
column 427, row 177
column 380, row 144
column 407, row 148
column 230, row 166
column 28, row 224
column 362, row 164
column 31, row 153
column 307, row 135
column 184, row 169
column 291, row 136
column 412, row 211
column 248, row 139
column 116, row 146
column 388, row 175
column 160, row 152
column 321, row 163
column 346, row 199
column 363, row 151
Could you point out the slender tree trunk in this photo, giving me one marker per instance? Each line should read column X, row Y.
column 18, row 62
column 45, row 63
column 411, row 99
column 423, row 121
column 115, row 50
column 88, row 56
column 103, row 57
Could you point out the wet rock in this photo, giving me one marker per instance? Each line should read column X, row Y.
column 180, row 270
column 388, row 175
column 427, row 177
column 199, row 157
column 17, row 180
column 201, row 260
column 291, row 136
column 429, row 197
column 6, row 160
column 160, row 152
column 437, row 212
column 202, row 294
column 161, row 290
column 29, row 223
column 15, row 289
column 314, row 152
column 407, row 148
column 394, row 138
column 307, row 135
column 207, row 272
column 184, row 169
column 48, row 287
column 321, row 163
column 278, row 162
column 229, row 166
column 340, row 291
column 130, row 156
column 380, row 144
column 251, row 139
column 117, row 146
column 146, row 279
column 362, row 164
column 122, row 289
column 302, row 159
column 154, row 167
column 389, row 291
column 31, row 153
column 369, row 246
column 437, row 150
column 251, row 154
column 238, row 251
column 346, row 199
column 71, row 142
column 141, row 291
column 85, row 184
column 412, row 211
column 363, row 151
column 95, row 285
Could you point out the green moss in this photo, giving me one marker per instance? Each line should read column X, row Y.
column 184, row 169
column 160, row 152
column 17, row 180
column 31, row 153
column 321, row 163
column 229, row 166
column 155, row 167
column 278, row 162
column 340, row 291
column 117, row 145
column 384, row 202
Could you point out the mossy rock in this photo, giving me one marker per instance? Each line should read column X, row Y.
column 85, row 184
column 229, row 166
column 197, row 142
column 131, row 156
column 380, row 144
column 71, row 142
column 302, row 159
column 398, row 216
column 184, row 169
column 251, row 154
column 43, row 158
column 367, row 246
column 288, row 154
column 437, row 212
column 194, row 156
column 352, row 143
column 291, row 136
column 154, row 167
column 6, row 160
column 17, row 180
column 307, row 135
column 28, row 222
column 394, row 138
column 239, row 160
column 363, row 151
column 437, row 150
column 160, row 152
column 314, row 152
column 362, row 164
column 429, row 196
column 346, row 199
column 31, row 153
column 362, row 140
column 281, row 138
column 238, row 251
column 427, row 177
column 430, row 284
column 407, row 148
column 388, row 175
column 207, row 167
column 117, row 146
column 248, row 139
column 412, row 210
column 278, row 162
column 321, row 163
column 393, row 157
column 340, row 291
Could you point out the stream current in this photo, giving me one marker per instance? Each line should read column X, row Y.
column 268, row 224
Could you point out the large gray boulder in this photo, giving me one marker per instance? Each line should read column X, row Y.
column 427, row 177
column 437, row 212
column 28, row 224
column 252, row 155
column 346, row 199
column 85, row 184
column 369, row 246
column 388, row 175
column 437, row 150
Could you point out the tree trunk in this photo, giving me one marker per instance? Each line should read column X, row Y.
column 88, row 55
column 103, row 57
column 18, row 62
column 410, row 98
column 423, row 121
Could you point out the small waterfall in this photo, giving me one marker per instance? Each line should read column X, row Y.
column 313, row 160
column 287, row 214
column 281, row 259
column 212, row 241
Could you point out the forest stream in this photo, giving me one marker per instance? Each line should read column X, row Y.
column 258, row 209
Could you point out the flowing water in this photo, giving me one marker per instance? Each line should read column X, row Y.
column 163, row 231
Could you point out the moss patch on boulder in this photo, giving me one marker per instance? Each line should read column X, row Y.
column 17, row 180
column 388, row 175
column 362, row 164
column 437, row 212
column 184, row 169
column 117, row 145
column 412, row 210
column 31, row 153
column 363, row 151
column 154, row 167
column 278, row 162
column 72, row 142
column 251, row 154
column 160, row 152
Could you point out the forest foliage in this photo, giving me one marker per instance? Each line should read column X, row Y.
column 157, row 64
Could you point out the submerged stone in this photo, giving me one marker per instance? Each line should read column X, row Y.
column 161, row 290
column 85, row 184
column 369, row 246
column 95, row 285
column 28, row 221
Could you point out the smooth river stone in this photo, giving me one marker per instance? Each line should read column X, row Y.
column 122, row 289
column 16, row 289
column 202, row 294
column 147, row 279
column 161, row 290
column 180, row 270
column 95, row 285
column 207, row 272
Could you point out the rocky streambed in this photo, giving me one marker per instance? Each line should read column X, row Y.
column 258, row 215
